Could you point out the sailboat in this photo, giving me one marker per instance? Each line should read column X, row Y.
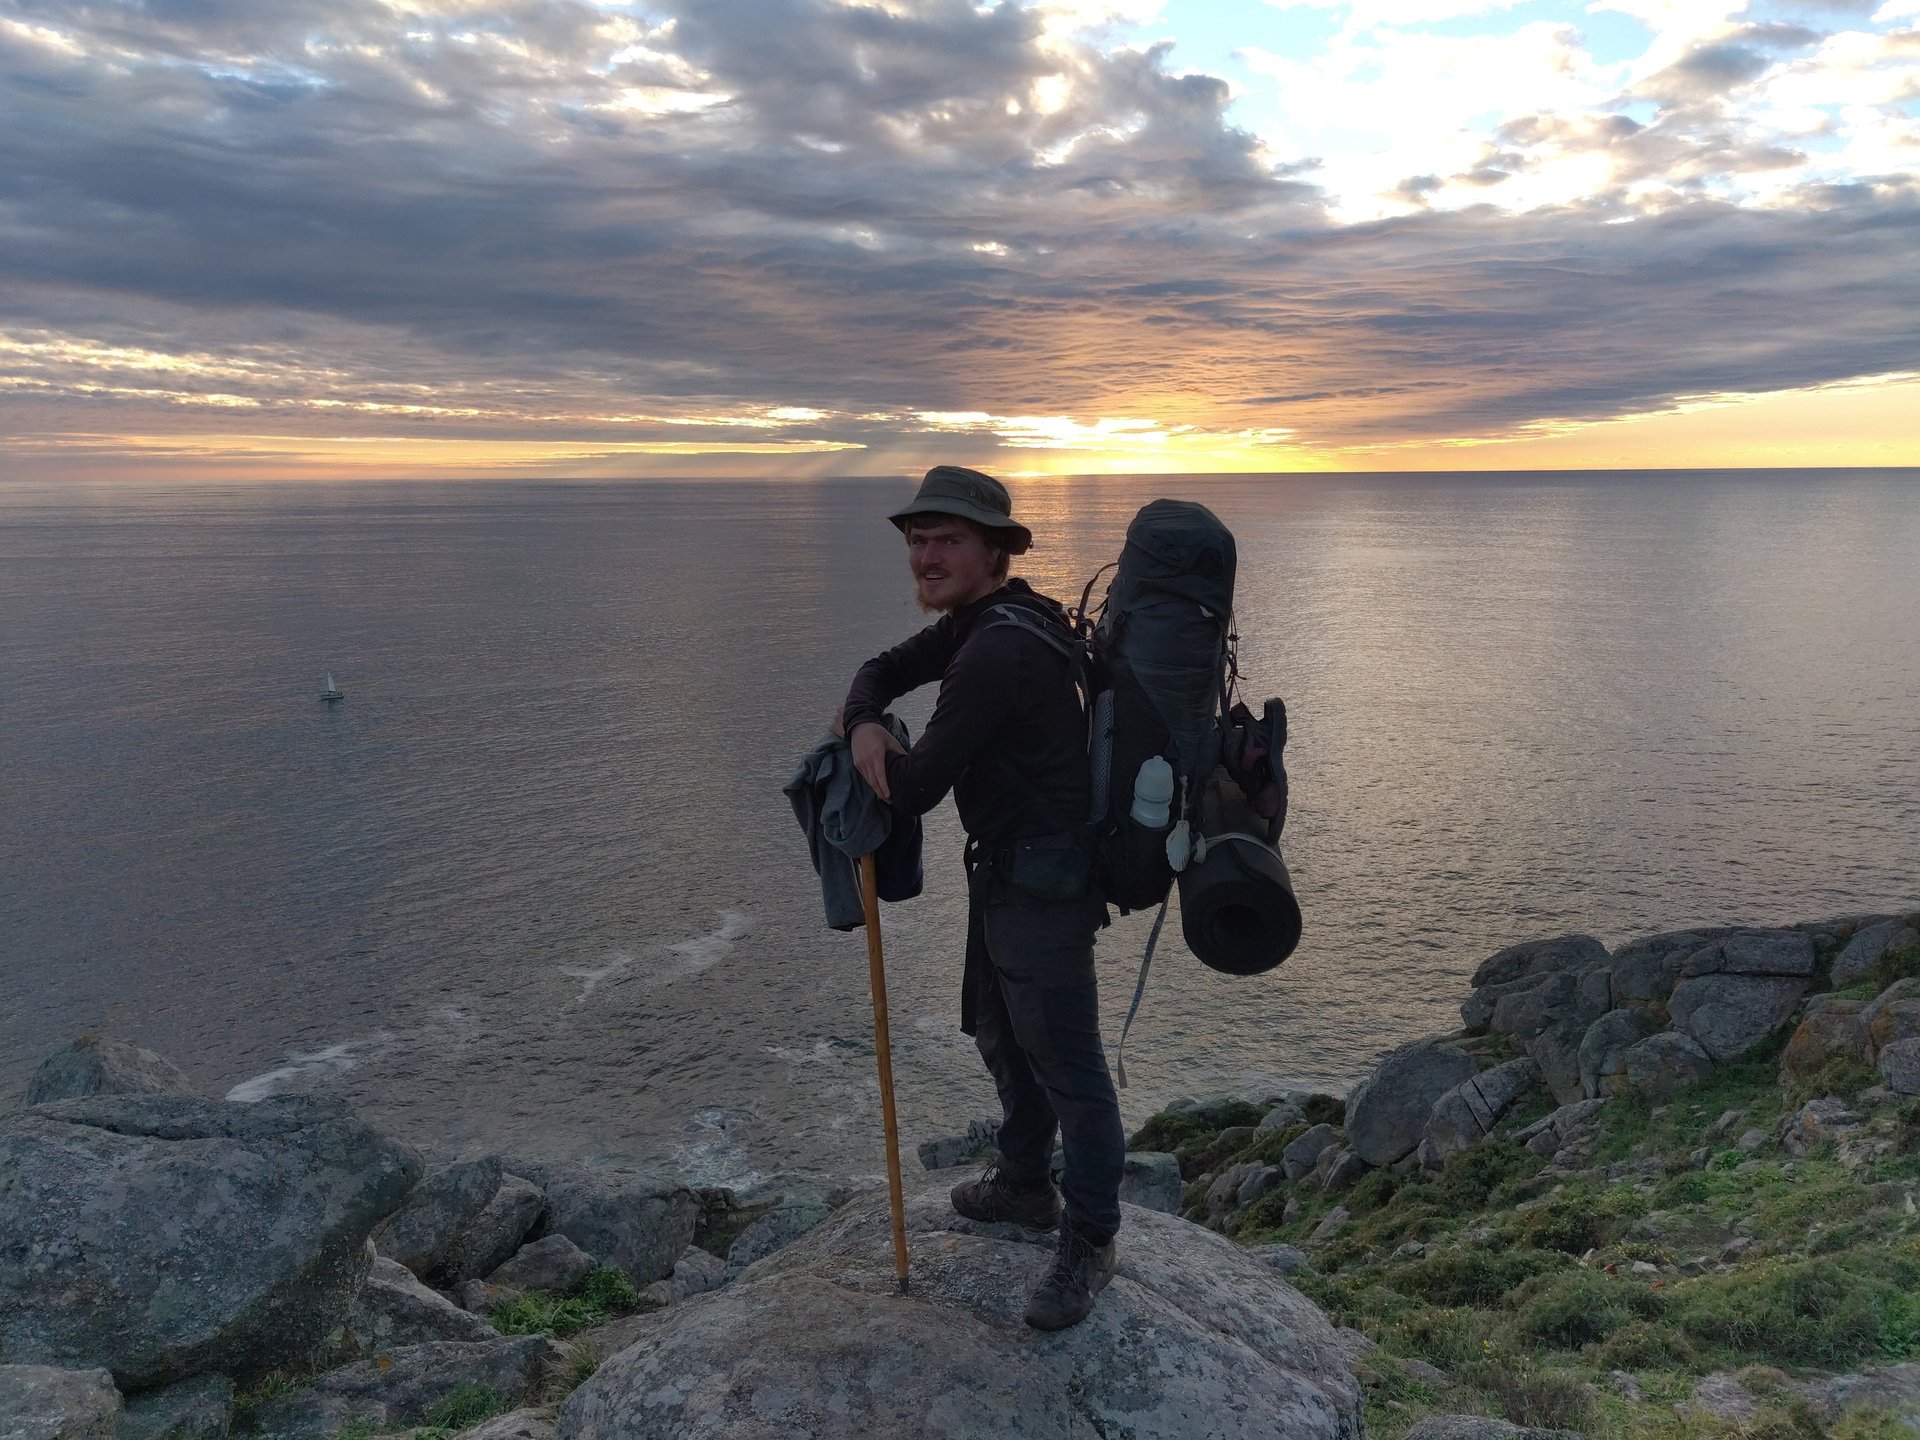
column 331, row 692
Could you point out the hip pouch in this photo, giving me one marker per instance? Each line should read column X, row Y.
column 1051, row 867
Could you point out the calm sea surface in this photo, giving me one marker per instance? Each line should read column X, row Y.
column 533, row 886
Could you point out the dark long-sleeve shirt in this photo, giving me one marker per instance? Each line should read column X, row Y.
column 1007, row 736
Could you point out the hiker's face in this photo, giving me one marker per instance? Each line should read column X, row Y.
column 951, row 564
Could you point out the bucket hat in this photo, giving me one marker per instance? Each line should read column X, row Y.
column 956, row 490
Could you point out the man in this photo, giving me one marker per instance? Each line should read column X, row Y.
column 1008, row 737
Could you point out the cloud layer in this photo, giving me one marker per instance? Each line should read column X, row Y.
column 786, row 228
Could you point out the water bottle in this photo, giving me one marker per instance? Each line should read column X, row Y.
column 1152, row 794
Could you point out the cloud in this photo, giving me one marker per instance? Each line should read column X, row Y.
column 802, row 228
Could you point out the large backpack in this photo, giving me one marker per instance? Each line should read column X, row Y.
column 1157, row 666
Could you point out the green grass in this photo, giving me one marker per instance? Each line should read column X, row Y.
column 604, row 1295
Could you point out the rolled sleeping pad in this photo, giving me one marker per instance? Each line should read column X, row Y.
column 1237, row 908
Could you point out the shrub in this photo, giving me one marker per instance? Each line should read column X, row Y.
column 1447, row 1338
column 1168, row 1132
column 1539, row 1397
column 1576, row 1308
column 1646, row 1345
column 610, row 1289
column 1579, row 1221
column 1832, row 1311
column 1474, row 1176
column 1474, row 1276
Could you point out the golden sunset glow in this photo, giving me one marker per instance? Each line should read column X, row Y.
column 1113, row 236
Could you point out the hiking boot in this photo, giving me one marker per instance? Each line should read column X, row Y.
column 1081, row 1269
column 994, row 1197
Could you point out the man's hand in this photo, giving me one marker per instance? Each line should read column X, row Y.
column 872, row 743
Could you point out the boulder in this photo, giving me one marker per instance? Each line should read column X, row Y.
column 1467, row 1113
column 1738, row 990
column 398, row 1387
column 1893, row 1014
column 1779, row 953
column 1868, row 947
column 40, row 1402
column 493, row 1236
column 694, row 1273
column 1900, row 1064
column 1344, row 1173
column 797, row 1207
column 534, row 1424
column 1725, row 1398
column 1829, row 1032
column 1330, row 1225
column 1152, row 1181
column 1602, row 1068
column 1816, row 1122
column 1554, row 999
column 1535, row 957
column 1223, row 1195
column 101, row 1065
column 394, row 1308
column 1262, row 1182
column 976, row 1143
column 196, row 1409
column 1480, row 1427
column 1283, row 1116
column 1551, row 1132
column 164, row 1236
column 818, row 1340
column 421, row 1234
column 1661, row 1065
column 1299, row 1157
column 1387, row 1112
column 1643, row 972
column 1556, row 1050
column 1895, row 1388
column 553, row 1263
column 1284, row 1258
column 633, row 1221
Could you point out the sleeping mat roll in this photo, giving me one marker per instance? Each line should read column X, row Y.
column 1237, row 908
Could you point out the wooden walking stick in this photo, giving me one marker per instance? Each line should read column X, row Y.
column 883, row 1050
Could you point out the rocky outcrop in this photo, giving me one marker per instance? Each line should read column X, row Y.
column 817, row 1339
column 196, row 1409
column 635, row 1222
column 1603, row 1049
column 1661, row 1065
column 1863, row 953
column 500, row 1229
column 1831, row 1030
column 694, row 1273
column 1387, row 1112
column 41, row 1402
column 394, row 1308
column 1152, row 1181
column 553, row 1264
column 160, row 1237
column 399, row 1387
column 1738, row 990
column 101, row 1065
column 1467, row 1113
column 423, row 1231
column 1900, row 1067
column 1892, row 1015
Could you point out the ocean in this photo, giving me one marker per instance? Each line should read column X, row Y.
column 532, row 886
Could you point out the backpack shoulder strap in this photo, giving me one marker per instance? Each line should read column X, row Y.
column 1035, row 624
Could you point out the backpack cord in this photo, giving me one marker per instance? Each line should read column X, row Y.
column 1139, row 989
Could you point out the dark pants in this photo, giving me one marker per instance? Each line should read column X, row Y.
column 1035, row 1015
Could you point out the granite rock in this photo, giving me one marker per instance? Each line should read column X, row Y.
column 165, row 1236
column 421, row 1232
column 1604, row 1046
column 101, row 1065
column 1900, row 1065
column 1387, row 1112
column 196, row 1409
column 553, row 1263
column 1868, row 947
column 43, row 1402
column 633, row 1221
column 817, row 1340
column 1152, row 1181
column 496, row 1234
column 1661, row 1065
column 394, row 1308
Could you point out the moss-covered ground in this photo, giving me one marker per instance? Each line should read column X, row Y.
column 1596, row 1298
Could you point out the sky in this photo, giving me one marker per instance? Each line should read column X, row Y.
column 859, row 237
